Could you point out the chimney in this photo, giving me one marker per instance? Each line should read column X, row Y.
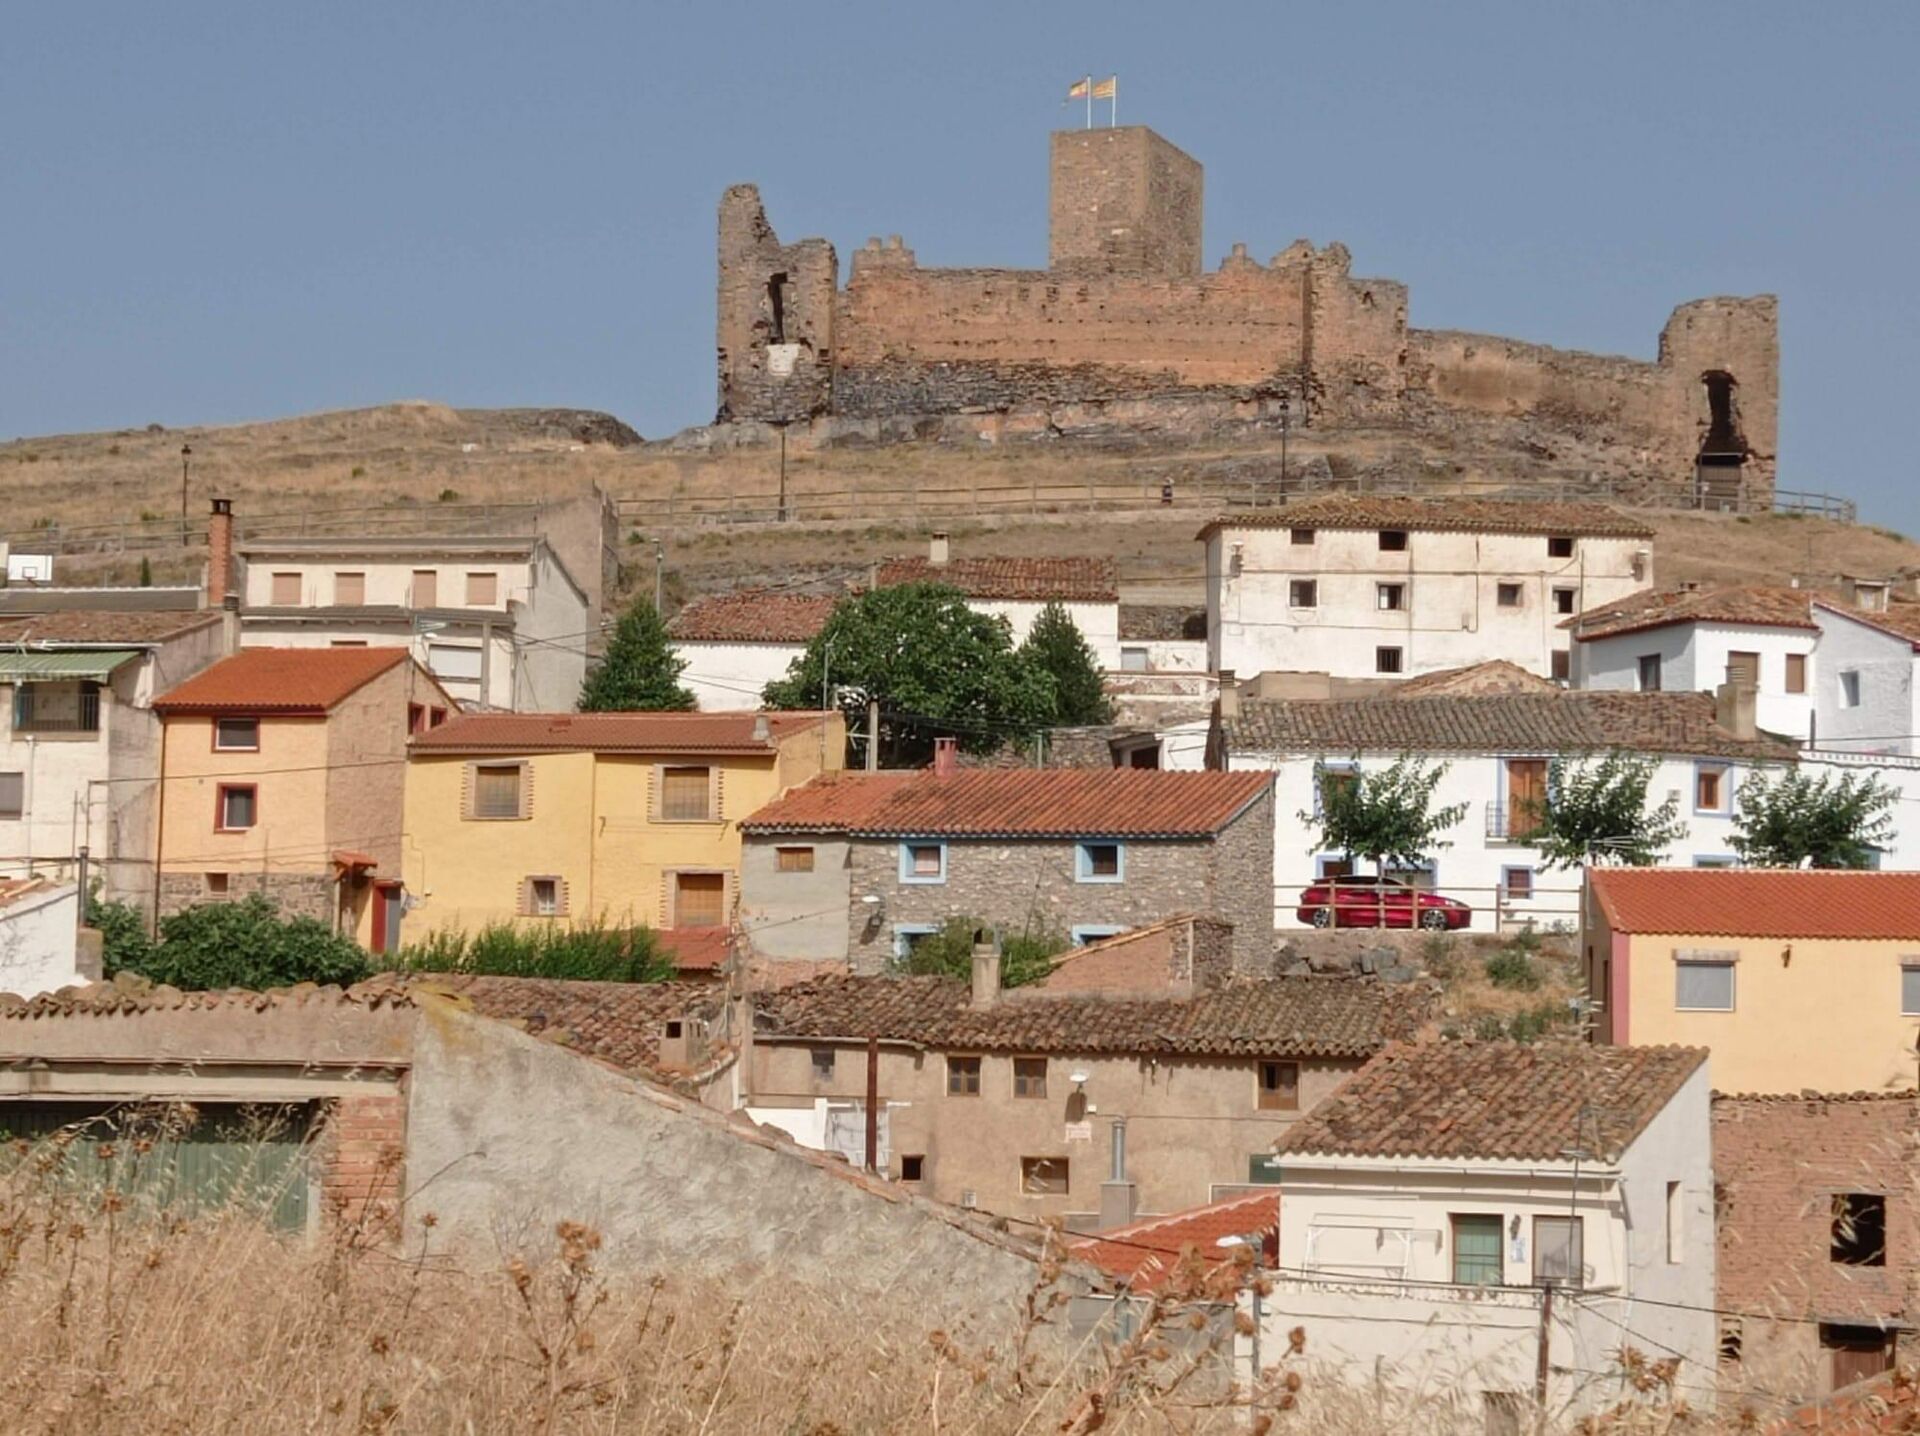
column 937, row 548
column 946, row 757
column 986, row 967
column 1118, row 1196
column 1229, row 694
column 1869, row 594
column 219, row 553
column 1733, row 705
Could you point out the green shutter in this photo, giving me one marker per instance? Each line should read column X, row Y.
column 1476, row 1251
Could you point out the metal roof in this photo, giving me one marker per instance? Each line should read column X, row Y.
column 96, row 664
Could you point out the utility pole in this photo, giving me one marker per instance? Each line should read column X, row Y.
column 659, row 573
column 1540, row 1367
column 783, row 473
column 873, row 735
column 186, row 456
column 1286, row 422
column 80, row 914
column 873, row 1104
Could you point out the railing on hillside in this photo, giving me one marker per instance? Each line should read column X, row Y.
column 381, row 521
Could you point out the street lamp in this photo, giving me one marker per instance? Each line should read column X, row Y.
column 186, row 457
column 1286, row 423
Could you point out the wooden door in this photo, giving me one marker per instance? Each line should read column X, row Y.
column 1857, row 1353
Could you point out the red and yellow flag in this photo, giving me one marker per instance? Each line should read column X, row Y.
column 1080, row 89
column 1106, row 88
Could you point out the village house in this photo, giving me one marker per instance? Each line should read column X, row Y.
column 1819, row 1240
column 1498, row 750
column 1017, row 589
column 1364, row 587
column 1456, row 1204
column 626, row 818
column 735, row 644
column 499, row 622
column 1695, row 639
column 860, row 866
column 80, row 754
column 1797, row 979
column 1086, row 1106
column 1867, row 699
column 281, row 773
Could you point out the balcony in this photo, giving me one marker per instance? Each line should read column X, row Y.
column 56, row 709
column 1519, row 823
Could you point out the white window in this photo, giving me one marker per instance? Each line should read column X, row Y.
column 1703, row 982
column 1390, row 597
column 455, row 662
column 543, row 896
column 1133, row 660
column 236, row 735
column 238, row 807
column 1910, row 986
column 1850, row 688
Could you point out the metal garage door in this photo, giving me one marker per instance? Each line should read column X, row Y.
column 257, row 1157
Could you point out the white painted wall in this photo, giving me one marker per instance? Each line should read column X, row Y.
column 729, row 676
column 37, row 941
column 1888, row 715
column 1451, row 616
column 550, row 638
column 1165, row 655
column 388, row 579
column 1694, row 659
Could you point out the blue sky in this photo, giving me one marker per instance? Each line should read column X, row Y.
column 216, row 213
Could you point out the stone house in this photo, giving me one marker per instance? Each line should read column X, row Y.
column 622, row 818
column 1017, row 589
column 1819, row 1239
column 1797, row 979
column 735, row 644
column 1434, row 1206
column 1375, row 587
column 80, row 746
column 281, row 772
column 860, row 866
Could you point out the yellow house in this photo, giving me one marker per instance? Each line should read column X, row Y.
column 281, row 774
column 1797, row 980
column 610, row 817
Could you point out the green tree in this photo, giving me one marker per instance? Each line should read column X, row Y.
column 639, row 669
column 1056, row 645
column 1795, row 819
column 1024, row 957
column 1384, row 815
column 246, row 944
column 936, row 667
column 124, row 944
column 1596, row 810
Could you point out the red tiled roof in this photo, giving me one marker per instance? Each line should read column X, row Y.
column 280, row 680
column 719, row 733
column 1496, row 675
column 84, row 625
column 694, row 949
column 1750, row 605
column 1495, row 1100
column 617, row 1022
column 1148, row 1253
column 1038, row 580
column 1902, row 620
column 754, row 615
column 1760, row 902
column 1365, row 511
column 1015, row 802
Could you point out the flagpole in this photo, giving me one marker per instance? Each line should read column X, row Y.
column 1113, row 120
column 1089, row 101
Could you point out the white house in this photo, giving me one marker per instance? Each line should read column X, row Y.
column 735, row 644
column 1498, row 749
column 1693, row 640
column 1456, row 1204
column 39, row 928
column 1357, row 586
column 1867, row 693
column 1017, row 589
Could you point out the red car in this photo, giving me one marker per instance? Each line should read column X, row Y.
column 1370, row 902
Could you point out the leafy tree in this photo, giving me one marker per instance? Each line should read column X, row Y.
column 1596, row 811
column 1024, row 957
column 1796, row 819
column 1384, row 814
column 937, row 668
column 1056, row 645
column 639, row 669
column 246, row 944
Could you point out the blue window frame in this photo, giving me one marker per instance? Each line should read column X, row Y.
column 905, row 932
column 1516, row 884
column 1323, row 861
column 1086, row 932
column 1100, row 862
column 923, row 860
column 1712, row 787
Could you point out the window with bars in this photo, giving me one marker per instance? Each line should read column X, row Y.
column 1476, row 1250
column 1386, row 660
column 497, row 789
column 686, row 794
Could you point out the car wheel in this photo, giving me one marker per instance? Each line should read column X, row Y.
column 1323, row 917
column 1433, row 919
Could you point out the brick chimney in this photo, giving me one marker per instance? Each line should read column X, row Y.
column 946, row 757
column 986, row 967
column 938, row 549
column 219, row 553
column 1733, row 710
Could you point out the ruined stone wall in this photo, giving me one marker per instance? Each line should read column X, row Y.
column 775, row 316
column 311, row 895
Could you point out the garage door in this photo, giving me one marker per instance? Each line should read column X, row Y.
column 255, row 1157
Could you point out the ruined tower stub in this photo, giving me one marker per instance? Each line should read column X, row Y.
column 774, row 328
column 1123, row 201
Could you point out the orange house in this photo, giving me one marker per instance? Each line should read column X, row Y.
column 282, row 773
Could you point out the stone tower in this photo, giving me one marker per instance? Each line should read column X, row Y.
column 1123, row 201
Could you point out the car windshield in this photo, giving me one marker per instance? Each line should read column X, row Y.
column 1367, row 884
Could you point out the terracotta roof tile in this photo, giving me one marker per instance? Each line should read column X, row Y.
column 1751, row 605
column 717, row 733
column 1496, row 675
column 694, row 949
column 752, row 616
column 1760, row 902
column 83, row 625
column 1147, row 1253
column 1015, row 802
column 128, row 994
column 1878, row 1406
column 1365, row 511
column 1273, row 1017
column 1495, row 1100
column 1584, row 721
column 280, row 680
column 1039, row 580
column 618, row 1022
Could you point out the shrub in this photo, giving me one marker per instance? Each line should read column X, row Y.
column 1537, row 1022
column 1024, row 957
column 1436, row 951
column 125, row 946
column 591, row 952
column 447, row 496
column 247, row 944
column 1514, row 970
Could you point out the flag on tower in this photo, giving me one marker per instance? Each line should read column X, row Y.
column 1107, row 88
column 1080, row 90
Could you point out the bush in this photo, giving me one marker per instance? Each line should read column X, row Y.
column 1025, row 957
column 1514, row 970
column 587, row 953
column 1538, row 1022
column 246, row 944
column 125, row 946
column 1436, row 951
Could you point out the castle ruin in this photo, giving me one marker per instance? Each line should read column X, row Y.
column 1125, row 331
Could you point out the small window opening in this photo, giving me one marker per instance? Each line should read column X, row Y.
column 1859, row 1229
column 777, row 308
column 1393, row 540
column 912, row 1168
column 821, row 1059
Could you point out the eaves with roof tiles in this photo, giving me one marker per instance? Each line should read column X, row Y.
column 1747, row 607
column 1367, row 511
column 1033, row 580
column 715, row 733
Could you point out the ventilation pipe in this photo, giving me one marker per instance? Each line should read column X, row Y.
column 1119, row 1198
column 946, row 757
column 986, row 967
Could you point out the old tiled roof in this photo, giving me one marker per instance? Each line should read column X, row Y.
column 1363, row 511
column 715, row 733
column 1760, row 902
column 1902, row 620
column 1751, row 605
column 1274, row 1017
column 1495, row 1100
column 1015, row 803
column 1147, row 1253
column 1039, row 580
column 128, row 993
column 1496, row 675
column 1584, row 721
column 752, row 616
column 618, row 1022
column 280, row 680
column 81, row 625
column 694, row 949
column 1883, row 1405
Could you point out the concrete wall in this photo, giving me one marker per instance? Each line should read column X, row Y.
column 37, row 936
column 1694, row 659
column 795, row 915
column 726, row 677
column 553, row 625
column 1888, row 715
